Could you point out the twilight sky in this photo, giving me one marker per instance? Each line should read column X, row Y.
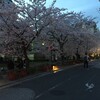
column 88, row 7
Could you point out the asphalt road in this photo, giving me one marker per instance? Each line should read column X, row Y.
column 69, row 84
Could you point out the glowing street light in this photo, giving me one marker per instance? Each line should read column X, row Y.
column 55, row 69
column 43, row 43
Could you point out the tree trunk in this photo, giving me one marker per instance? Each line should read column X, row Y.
column 77, row 54
column 24, row 49
column 26, row 59
column 62, row 53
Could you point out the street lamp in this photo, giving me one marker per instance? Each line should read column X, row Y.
column 43, row 43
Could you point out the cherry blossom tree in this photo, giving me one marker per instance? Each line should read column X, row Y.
column 69, row 30
column 8, row 15
column 84, row 38
column 61, row 30
column 31, row 20
column 21, row 23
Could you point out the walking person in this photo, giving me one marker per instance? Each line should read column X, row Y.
column 86, row 60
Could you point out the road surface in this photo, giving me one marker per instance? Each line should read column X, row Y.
column 75, row 83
